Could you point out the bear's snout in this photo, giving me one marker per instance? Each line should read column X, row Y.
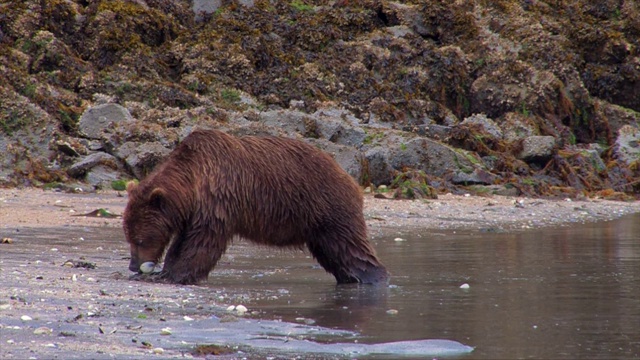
column 133, row 265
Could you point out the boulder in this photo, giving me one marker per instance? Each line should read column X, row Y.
column 489, row 126
column 141, row 158
column 97, row 118
column 396, row 151
column 537, row 149
column 627, row 146
column 516, row 126
column 90, row 161
column 348, row 157
column 102, row 176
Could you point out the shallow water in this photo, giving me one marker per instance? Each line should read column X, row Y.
column 569, row 292
column 560, row 293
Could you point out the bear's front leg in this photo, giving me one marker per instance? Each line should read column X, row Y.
column 190, row 258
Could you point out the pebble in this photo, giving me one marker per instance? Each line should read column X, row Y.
column 165, row 331
column 241, row 309
column 399, row 239
column 158, row 351
column 187, row 318
column 392, row 312
column 25, row 318
column 42, row 331
column 464, row 286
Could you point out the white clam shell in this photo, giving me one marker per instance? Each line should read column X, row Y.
column 147, row 267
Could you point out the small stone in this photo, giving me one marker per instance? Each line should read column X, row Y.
column 26, row 318
column 158, row 351
column 6, row 240
column 231, row 308
column 399, row 239
column 187, row 318
column 241, row 309
column 166, row 331
column 392, row 312
column 42, row 331
column 464, row 286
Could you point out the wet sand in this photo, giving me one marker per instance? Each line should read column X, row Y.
column 35, row 208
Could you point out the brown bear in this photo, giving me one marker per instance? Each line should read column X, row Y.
column 270, row 190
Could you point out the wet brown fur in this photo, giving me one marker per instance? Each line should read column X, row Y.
column 269, row 190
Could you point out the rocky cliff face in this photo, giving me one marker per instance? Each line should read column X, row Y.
column 541, row 97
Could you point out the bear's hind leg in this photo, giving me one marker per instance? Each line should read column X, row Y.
column 351, row 259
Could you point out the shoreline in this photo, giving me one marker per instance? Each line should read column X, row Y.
column 37, row 208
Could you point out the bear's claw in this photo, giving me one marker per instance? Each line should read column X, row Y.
column 155, row 277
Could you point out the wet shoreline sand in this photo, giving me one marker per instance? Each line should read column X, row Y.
column 36, row 208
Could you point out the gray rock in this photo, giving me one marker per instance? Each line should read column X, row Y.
column 393, row 153
column 142, row 158
column 537, row 149
column 516, row 126
column 97, row 118
column 627, row 146
column 292, row 122
column 615, row 116
column 101, row 176
column 90, row 161
column 339, row 126
column 379, row 167
column 489, row 125
column 348, row 157
column 201, row 7
column 477, row 176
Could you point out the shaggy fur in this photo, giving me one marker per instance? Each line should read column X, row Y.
column 272, row 191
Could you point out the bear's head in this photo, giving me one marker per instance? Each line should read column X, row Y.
column 146, row 225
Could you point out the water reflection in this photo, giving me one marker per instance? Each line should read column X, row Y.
column 570, row 292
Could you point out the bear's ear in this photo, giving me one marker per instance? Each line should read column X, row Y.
column 157, row 196
column 131, row 185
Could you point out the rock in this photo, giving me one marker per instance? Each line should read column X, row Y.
column 489, row 126
column 627, row 145
column 537, row 149
column 478, row 176
column 142, row 158
column 87, row 163
column 102, row 176
column 339, row 126
column 292, row 122
column 615, row 116
column 204, row 7
column 42, row 331
column 392, row 153
column 516, row 126
column 349, row 158
column 96, row 119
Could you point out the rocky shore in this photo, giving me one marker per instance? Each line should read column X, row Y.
column 530, row 98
